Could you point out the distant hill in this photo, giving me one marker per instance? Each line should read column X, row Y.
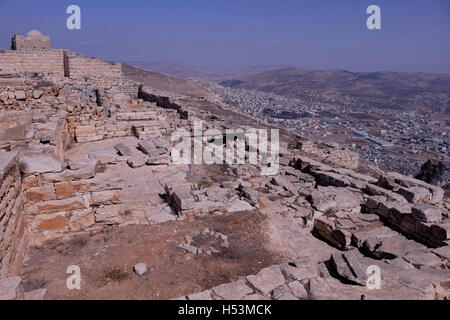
column 399, row 90
column 163, row 81
column 210, row 73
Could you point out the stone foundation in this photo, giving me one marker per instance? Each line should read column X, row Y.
column 12, row 215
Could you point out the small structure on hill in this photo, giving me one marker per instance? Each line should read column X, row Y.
column 34, row 40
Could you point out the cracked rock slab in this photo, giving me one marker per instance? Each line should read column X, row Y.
column 267, row 280
column 232, row 291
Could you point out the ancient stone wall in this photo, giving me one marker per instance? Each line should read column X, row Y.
column 62, row 200
column 81, row 66
column 332, row 153
column 48, row 61
column 12, row 216
column 30, row 42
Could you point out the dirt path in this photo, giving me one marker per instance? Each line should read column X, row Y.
column 106, row 260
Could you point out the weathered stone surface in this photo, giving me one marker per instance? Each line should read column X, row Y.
column 415, row 194
column 85, row 170
column 69, row 204
column 239, row 206
column 330, row 179
column 392, row 180
column 443, row 252
column 255, row 297
column 348, row 267
column 267, row 279
column 81, row 219
column 123, row 150
column 85, row 131
column 11, row 288
column 359, row 236
column 331, row 199
column 7, row 161
column 422, row 258
column 298, row 290
column 104, row 156
column 390, row 247
column 182, row 198
column 137, row 161
column 327, row 229
column 107, row 197
column 37, row 94
column 36, row 194
column 299, row 270
column 441, row 230
column 37, row 294
column 287, row 297
column 111, row 214
column 284, row 183
column 320, row 290
column 204, row 295
column 379, row 191
column 40, row 163
column 72, row 188
column 50, row 222
column 20, row 95
column 443, row 291
column 148, row 148
column 140, row 268
column 427, row 213
column 232, row 291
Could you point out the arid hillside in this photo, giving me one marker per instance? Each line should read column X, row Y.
column 163, row 82
column 384, row 89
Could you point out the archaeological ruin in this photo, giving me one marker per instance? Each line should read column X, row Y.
column 87, row 179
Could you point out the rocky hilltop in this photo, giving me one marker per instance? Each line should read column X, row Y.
column 87, row 179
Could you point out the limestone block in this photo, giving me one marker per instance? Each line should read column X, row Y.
column 232, row 291
column 36, row 194
column 11, row 288
column 415, row 194
column 69, row 204
column 107, row 197
column 50, row 222
column 40, row 163
column 426, row 213
column 267, row 280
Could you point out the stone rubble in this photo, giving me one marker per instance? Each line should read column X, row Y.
column 80, row 155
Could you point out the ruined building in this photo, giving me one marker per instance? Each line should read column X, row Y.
column 34, row 40
column 86, row 176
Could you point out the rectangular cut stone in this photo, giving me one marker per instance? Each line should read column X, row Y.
column 123, row 149
column 50, row 222
column 107, row 197
column 232, row 291
column 85, row 131
column 182, row 198
column 109, row 214
column 415, row 194
column 80, row 220
column 43, row 193
column 267, row 280
column 7, row 161
column 441, row 231
column 70, row 189
column 40, row 163
column 74, row 203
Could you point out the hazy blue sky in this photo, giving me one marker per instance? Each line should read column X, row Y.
column 415, row 34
